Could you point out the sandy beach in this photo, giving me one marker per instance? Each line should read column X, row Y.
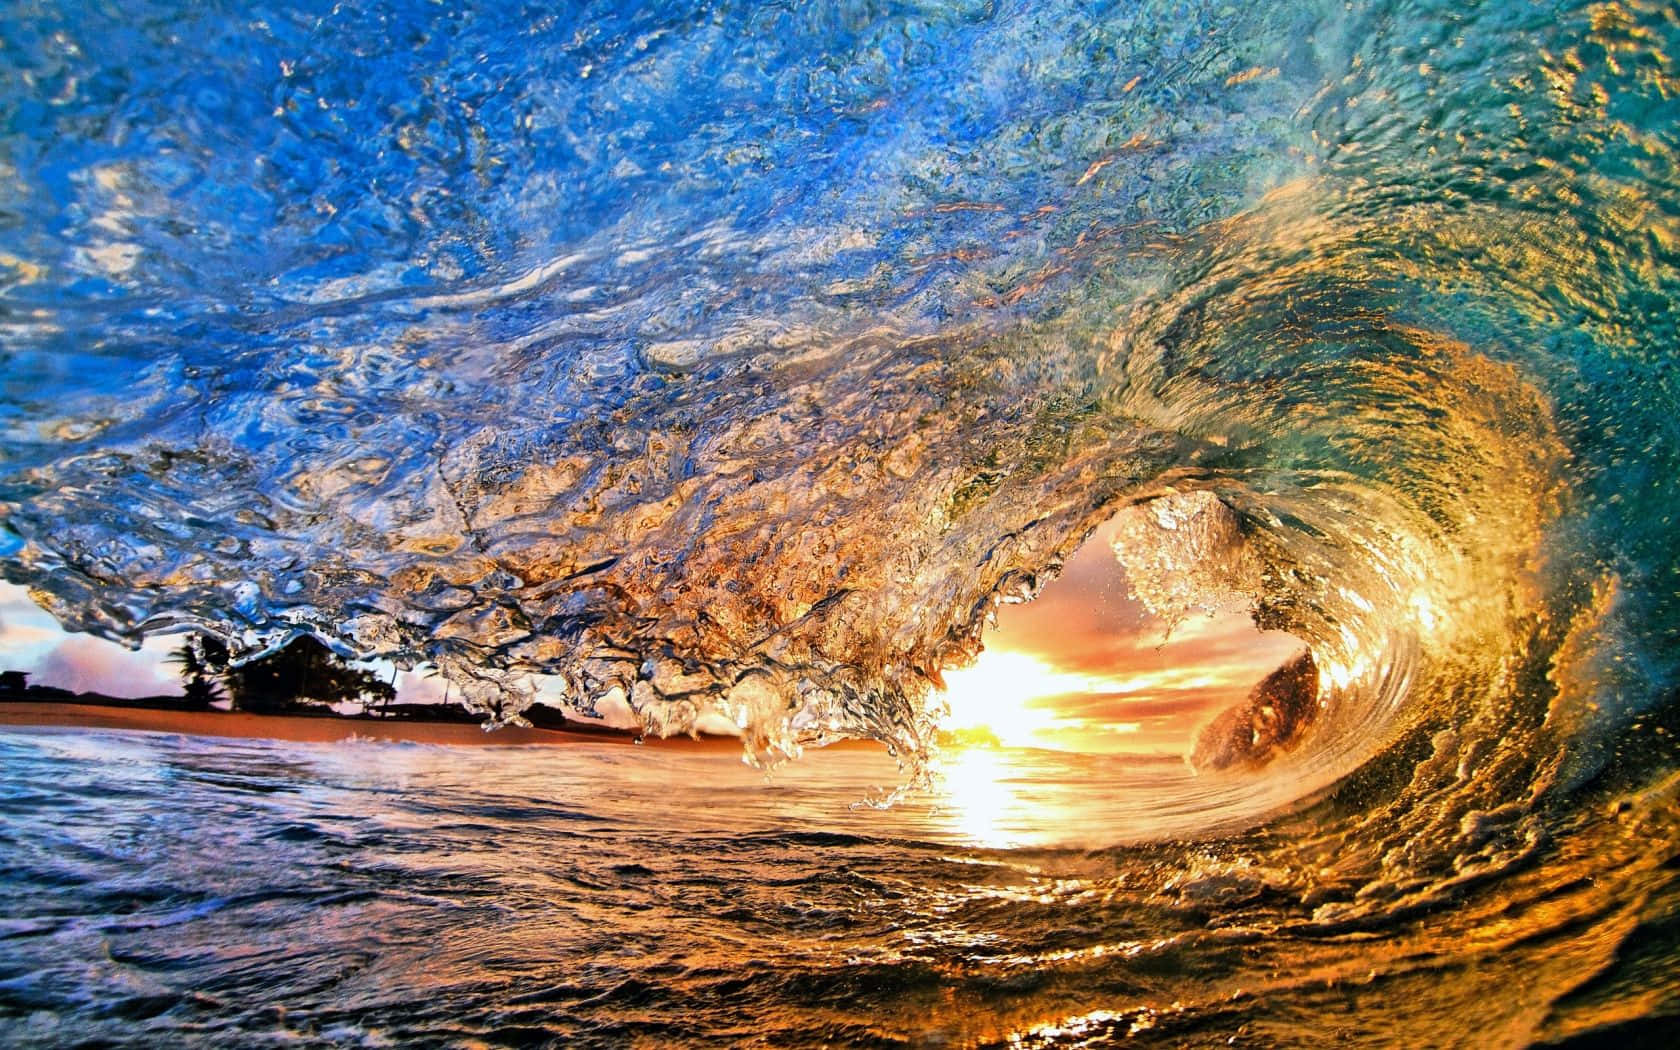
column 310, row 729
column 299, row 728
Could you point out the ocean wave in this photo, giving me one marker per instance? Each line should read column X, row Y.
column 739, row 360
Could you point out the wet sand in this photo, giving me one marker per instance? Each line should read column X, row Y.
column 299, row 728
column 310, row 729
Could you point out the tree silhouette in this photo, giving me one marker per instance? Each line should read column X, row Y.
column 304, row 675
column 197, row 662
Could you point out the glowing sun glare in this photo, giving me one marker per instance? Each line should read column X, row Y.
column 997, row 694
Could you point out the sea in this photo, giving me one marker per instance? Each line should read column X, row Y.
column 161, row 890
column 736, row 360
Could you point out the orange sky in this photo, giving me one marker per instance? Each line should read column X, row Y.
column 1084, row 667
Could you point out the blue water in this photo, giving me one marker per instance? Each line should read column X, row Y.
column 739, row 360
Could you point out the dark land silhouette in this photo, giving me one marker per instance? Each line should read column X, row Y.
column 303, row 679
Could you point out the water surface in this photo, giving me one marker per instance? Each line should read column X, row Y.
column 737, row 359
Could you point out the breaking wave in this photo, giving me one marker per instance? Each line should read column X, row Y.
column 740, row 358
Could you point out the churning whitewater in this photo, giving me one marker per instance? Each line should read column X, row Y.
column 741, row 358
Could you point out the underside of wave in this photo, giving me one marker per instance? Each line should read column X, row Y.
column 807, row 568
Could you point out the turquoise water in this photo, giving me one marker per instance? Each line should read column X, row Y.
column 740, row 358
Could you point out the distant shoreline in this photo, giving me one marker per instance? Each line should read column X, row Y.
column 307, row 728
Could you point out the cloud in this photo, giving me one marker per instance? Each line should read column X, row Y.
column 27, row 632
column 15, row 636
column 1086, row 622
column 1133, row 707
column 1102, row 674
column 83, row 663
column 420, row 687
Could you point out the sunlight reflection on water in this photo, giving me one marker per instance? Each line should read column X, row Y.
column 983, row 798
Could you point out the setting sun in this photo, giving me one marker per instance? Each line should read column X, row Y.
column 997, row 693
column 1085, row 667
